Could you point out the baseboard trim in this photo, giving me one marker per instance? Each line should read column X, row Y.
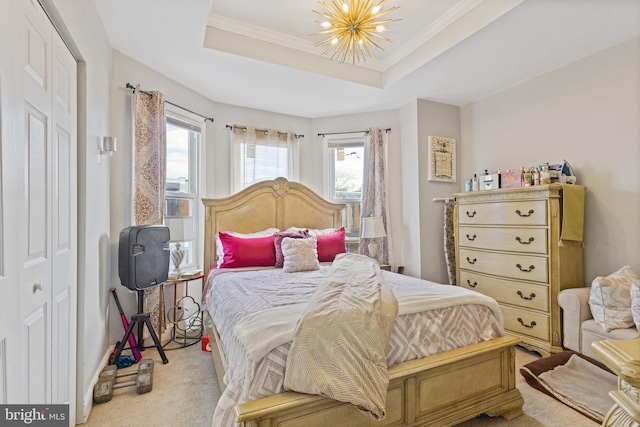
column 87, row 403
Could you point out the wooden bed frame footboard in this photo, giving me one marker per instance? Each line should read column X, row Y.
column 440, row 390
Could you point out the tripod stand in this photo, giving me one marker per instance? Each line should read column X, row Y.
column 140, row 319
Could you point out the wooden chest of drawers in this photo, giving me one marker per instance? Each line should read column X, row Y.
column 508, row 247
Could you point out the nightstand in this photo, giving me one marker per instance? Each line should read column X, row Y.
column 186, row 328
column 623, row 358
column 386, row 267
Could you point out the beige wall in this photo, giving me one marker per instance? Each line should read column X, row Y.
column 588, row 113
column 435, row 119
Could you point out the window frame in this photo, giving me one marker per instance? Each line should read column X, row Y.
column 189, row 121
column 331, row 143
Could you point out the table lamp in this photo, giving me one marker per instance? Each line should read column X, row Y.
column 180, row 230
column 372, row 227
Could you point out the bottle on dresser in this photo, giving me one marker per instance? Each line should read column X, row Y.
column 536, row 176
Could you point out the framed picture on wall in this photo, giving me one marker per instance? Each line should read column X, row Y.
column 442, row 159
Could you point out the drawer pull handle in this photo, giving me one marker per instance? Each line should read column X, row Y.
column 531, row 239
column 531, row 325
column 531, row 267
column 471, row 215
column 470, row 261
column 471, row 238
column 473, row 285
column 523, row 215
column 530, row 297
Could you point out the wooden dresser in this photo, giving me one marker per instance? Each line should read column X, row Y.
column 507, row 247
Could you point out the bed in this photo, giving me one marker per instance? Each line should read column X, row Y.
column 444, row 388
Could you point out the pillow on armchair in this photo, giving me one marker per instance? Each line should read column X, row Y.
column 635, row 302
column 610, row 299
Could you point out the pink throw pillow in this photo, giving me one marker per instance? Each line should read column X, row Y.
column 330, row 245
column 277, row 242
column 240, row 252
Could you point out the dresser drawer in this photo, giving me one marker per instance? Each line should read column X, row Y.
column 526, row 295
column 515, row 266
column 524, row 212
column 528, row 240
column 526, row 322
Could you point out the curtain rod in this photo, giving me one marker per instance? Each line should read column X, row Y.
column 387, row 130
column 244, row 129
column 210, row 119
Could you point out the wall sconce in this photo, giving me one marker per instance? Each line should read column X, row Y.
column 109, row 145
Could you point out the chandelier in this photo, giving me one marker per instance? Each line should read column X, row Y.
column 352, row 28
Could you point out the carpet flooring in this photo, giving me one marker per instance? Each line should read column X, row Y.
column 185, row 391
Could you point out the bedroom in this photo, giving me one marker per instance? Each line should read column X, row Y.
column 585, row 111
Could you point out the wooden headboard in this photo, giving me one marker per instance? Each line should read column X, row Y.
column 279, row 203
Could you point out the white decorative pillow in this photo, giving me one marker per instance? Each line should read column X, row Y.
column 635, row 302
column 220, row 249
column 300, row 254
column 610, row 299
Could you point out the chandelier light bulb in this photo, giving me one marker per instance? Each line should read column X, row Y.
column 352, row 28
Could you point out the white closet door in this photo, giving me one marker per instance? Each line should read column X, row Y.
column 64, row 252
column 47, row 204
column 11, row 173
column 34, row 62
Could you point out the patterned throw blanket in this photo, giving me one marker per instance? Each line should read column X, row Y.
column 340, row 344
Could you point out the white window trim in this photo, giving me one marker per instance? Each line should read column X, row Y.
column 196, row 162
column 329, row 141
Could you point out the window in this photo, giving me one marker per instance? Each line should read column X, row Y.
column 182, row 187
column 260, row 154
column 346, row 180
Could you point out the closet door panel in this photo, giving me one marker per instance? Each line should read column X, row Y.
column 64, row 219
column 33, row 60
column 11, row 180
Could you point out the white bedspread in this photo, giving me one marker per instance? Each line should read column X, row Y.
column 256, row 312
column 260, row 332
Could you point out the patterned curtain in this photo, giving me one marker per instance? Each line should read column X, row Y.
column 449, row 243
column 149, row 179
column 374, row 196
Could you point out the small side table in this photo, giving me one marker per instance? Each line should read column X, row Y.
column 386, row 267
column 185, row 340
column 623, row 358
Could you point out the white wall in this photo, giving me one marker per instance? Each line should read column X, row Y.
column 588, row 113
column 408, row 242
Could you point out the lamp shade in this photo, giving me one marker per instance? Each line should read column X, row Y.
column 180, row 228
column 372, row 227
